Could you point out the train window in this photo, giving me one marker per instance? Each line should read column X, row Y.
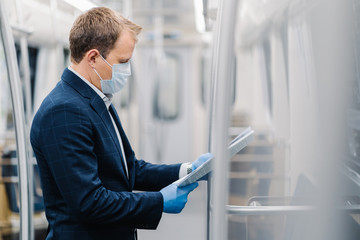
column 166, row 105
column 206, row 79
column 66, row 53
column 233, row 83
column 33, row 54
column 285, row 47
column 267, row 58
column 126, row 93
column 205, row 76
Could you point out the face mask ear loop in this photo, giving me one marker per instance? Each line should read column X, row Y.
column 97, row 74
column 105, row 61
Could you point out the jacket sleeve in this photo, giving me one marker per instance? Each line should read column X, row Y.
column 154, row 177
column 67, row 145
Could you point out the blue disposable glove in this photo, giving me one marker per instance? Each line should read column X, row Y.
column 175, row 197
column 199, row 161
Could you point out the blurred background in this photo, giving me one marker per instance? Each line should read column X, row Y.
column 202, row 72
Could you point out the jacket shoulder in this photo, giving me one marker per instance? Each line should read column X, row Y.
column 63, row 105
column 62, row 96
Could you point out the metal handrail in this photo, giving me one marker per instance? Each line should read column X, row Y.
column 18, row 112
column 9, row 179
column 14, row 162
column 281, row 210
column 22, row 29
column 267, row 210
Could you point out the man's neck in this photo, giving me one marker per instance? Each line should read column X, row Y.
column 85, row 71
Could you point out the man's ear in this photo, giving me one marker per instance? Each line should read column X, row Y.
column 92, row 56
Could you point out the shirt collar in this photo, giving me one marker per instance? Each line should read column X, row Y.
column 105, row 97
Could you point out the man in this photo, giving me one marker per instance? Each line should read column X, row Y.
column 87, row 167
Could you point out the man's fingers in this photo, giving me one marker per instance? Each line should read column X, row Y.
column 190, row 187
column 206, row 156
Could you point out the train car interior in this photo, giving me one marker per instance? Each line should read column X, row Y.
column 202, row 72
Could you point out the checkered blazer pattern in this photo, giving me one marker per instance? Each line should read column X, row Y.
column 86, row 191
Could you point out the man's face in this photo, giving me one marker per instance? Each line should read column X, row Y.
column 121, row 53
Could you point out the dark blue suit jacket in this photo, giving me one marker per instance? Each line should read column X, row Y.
column 86, row 191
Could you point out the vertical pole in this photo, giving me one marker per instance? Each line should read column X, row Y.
column 18, row 113
column 221, row 117
column 28, row 113
column 211, row 112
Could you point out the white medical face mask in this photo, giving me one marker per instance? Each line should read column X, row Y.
column 120, row 74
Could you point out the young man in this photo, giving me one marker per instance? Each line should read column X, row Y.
column 87, row 167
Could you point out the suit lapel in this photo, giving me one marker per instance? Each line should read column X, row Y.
column 99, row 106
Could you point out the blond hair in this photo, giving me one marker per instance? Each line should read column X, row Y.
column 98, row 28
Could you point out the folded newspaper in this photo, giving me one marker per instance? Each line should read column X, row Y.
column 238, row 143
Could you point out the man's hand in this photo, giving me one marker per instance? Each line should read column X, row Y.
column 175, row 197
column 201, row 160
